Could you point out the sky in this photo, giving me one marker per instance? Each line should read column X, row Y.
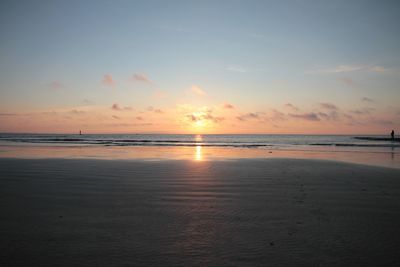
column 287, row 67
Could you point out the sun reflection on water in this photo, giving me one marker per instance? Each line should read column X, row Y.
column 198, row 138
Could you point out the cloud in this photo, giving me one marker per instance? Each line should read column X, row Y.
column 155, row 110
column 328, row 106
column 115, row 117
column 277, row 115
column 49, row 112
column 228, row 106
column 197, row 90
column 311, row 116
column 140, row 77
column 77, row 112
column 291, row 106
column 117, row 107
column 378, row 69
column 367, row 99
column 331, row 116
column 8, row 114
column 139, row 118
column 248, row 116
column 347, row 81
column 127, row 124
column 348, row 68
column 86, row 101
column 362, row 112
column 108, row 80
column 56, row 85
column 204, row 116
column 236, row 68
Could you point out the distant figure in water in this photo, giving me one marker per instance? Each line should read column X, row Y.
column 80, row 132
column 392, row 134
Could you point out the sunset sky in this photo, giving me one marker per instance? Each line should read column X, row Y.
column 200, row 66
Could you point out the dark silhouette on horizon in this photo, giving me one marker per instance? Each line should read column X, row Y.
column 392, row 134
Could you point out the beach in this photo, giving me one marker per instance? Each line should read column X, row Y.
column 274, row 212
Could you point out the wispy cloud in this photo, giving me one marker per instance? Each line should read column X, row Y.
column 348, row 68
column 328, row 106
column 77, row 112
column 347, row 81
column 291, row 106
column 236, row 68
column 367, row 99
column 248, row 116
column 140, row 77
column 117, row 107
column 330, row 116
column 9, row 114
column 198, row 91
column 228, row 106
column 87, row 101
column 108, row 80
column 277, row 115
column 56, row 85
column 204, row 116
column 155, row 110
column 363, row 111
column 310, row 116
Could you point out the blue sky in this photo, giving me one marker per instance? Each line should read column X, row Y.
column 255, row 54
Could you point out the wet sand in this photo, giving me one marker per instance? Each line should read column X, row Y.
column 274, row 212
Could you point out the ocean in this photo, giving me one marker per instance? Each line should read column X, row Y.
column 372, row 150
column 215, row 140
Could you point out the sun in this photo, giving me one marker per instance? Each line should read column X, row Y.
column 199, row 124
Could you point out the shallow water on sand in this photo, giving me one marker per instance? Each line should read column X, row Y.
column 390, row 158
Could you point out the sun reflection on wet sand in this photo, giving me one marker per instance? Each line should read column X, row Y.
column 198, row 155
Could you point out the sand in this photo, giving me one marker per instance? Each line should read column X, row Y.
column 275, row 212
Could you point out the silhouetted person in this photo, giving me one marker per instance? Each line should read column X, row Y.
column 392, row 134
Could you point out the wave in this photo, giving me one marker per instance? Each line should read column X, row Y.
column 212, row 141
column 355, row 145
column 369, row 138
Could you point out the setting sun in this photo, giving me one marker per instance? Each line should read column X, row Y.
column 199, row 124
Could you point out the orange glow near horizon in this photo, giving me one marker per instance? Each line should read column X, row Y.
column 192, row 119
